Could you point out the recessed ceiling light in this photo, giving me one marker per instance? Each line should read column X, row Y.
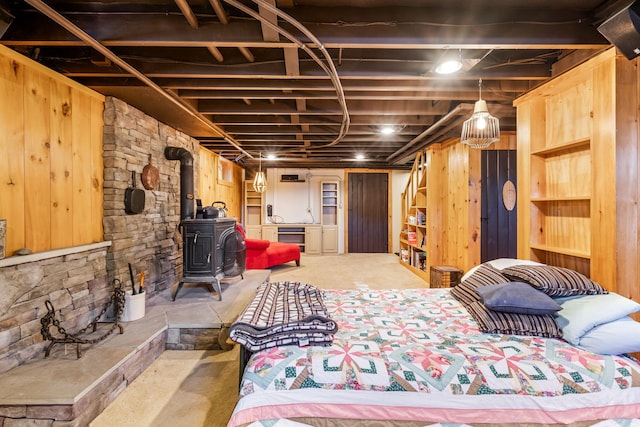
column 359, row 156
column 449, row 67
column 271, row 156
column 387, row 130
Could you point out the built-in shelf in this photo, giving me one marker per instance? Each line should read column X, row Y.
column 563, row 251
column 561, row 199
column 330, row 205
column 253, row 213
column 579, row 144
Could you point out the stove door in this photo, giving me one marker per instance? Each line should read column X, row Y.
column 199, row 251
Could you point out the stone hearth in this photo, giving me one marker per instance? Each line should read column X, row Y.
column 65, row 391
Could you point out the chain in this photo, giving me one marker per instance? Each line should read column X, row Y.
column 69, row 338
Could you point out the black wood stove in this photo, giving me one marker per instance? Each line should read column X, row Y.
column 203, row 254
column 211, row 248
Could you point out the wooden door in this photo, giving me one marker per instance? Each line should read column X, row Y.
column 498, row 224
column 368, row 213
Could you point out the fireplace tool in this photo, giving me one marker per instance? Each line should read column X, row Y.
column 50, row 319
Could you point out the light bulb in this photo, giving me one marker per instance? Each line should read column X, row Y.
column 481, row 123
column 449, row 67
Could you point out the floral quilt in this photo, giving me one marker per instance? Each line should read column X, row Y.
column 406, row 356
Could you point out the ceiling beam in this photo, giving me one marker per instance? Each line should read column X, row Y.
column 188, row 13
column 165, row 30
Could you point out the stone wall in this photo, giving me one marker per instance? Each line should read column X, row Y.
column 77, row 286
column 150, row 241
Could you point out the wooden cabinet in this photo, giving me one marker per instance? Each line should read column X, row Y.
column 253, row 203
column 307, row 236
column 578, row 172
column 270, row 233
column 313, row 239
column 329, row 219
column 329, row 239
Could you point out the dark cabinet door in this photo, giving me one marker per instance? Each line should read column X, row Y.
column 199, row 251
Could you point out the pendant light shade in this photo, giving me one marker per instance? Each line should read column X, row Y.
column 260, row 180
column 481, row 129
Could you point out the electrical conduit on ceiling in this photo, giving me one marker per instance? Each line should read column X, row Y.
column 328, row 68
column 458, row 109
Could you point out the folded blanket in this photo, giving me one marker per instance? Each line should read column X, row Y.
column 284, row 313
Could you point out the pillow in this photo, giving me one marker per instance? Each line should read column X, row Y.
column 496, row 322
column 484, row 275
column 617, row 337
column 554, row 281
column 500, row 263
column 517, row 297
column 581, row 314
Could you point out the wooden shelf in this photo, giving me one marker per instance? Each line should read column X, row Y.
column 561, row 199
column 576, row 145
column 252, row 216
column 563, row 251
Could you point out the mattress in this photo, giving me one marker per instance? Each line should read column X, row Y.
column 415, row 357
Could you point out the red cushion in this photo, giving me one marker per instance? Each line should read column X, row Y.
column 257, row 244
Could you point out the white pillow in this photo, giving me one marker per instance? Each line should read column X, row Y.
column 500, row 264
column 581, row 314
column 617, row 337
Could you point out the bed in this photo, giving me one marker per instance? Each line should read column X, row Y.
column 416, row 357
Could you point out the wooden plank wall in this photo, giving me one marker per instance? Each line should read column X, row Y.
column 51, row 169
column 627, row 178
column 459, row 184
column 212, row 188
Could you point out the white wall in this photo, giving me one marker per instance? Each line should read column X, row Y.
column 399, row 181
column 299, row 202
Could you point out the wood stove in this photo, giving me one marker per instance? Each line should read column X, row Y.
column 211, row 248
column 203, row 251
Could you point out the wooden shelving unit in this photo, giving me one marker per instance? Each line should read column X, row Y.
column 329, row 220
column 253, row 213
column 413, row 237
column 577, row 201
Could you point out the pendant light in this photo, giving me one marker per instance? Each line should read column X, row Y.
column 481, row 129
column 260, row 180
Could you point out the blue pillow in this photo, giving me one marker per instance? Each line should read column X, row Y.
column 517, row 297
column 581, row 314
column 617, row 337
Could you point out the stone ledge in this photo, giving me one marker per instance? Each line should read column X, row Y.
column 39, row 256
column 65, row 391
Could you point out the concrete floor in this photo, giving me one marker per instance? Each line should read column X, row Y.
column 200, row 388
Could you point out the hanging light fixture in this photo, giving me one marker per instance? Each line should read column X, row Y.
column 481, row 129
column 260, row 180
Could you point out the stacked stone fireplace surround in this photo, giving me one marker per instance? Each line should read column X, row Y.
column 79, row 282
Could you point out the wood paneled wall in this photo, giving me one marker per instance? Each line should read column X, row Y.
column 51, row 169
column 457, row 179
column 220, row 180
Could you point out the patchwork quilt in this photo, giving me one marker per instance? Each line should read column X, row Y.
column 415, row 358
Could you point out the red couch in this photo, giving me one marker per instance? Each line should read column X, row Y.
column 263, row 254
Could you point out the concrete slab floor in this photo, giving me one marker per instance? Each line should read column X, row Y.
column 200, row 388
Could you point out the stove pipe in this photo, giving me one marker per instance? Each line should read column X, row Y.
column 186, row 179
